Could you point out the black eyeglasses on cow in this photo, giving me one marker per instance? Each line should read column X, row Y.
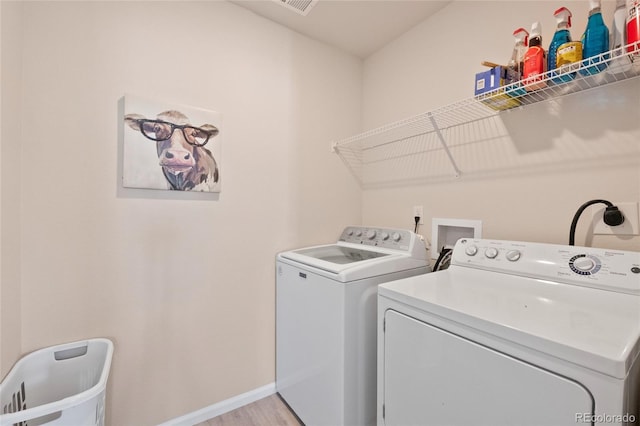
column 158, row 130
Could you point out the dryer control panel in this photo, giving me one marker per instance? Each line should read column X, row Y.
column 613, row 270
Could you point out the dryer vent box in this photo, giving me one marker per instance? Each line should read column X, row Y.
column 445, row 233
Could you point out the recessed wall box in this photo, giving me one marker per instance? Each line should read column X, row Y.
column 445, row 232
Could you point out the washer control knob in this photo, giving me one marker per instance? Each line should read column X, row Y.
column 513, row 255
column 371, row 234
column 584, row 264
column 491, row 252
column 471, row 250
column 350, row 232
column 385, row 236
column 396, row 236
column 358, row 233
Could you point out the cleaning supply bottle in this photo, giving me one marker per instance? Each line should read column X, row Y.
column 620, row 61
column 595, row 41
column 561, row 36
column 633, row 28
column 535, row 61
column 563, row 51
column 515, row 67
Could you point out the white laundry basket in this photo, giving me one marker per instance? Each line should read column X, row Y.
column 61, row 385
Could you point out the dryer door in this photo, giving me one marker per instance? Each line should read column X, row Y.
column 433, row 377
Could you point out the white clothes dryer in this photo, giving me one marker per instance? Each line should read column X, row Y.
column 326, row 299
column 513, row 333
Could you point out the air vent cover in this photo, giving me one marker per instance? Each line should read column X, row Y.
column 301, row 7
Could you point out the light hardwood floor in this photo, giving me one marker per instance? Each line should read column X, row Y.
column 269, row 411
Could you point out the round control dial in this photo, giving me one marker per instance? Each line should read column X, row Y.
column 471, row 250
column 396, row 236
column 513, row 255
column 371, row 234
column 584, row 264
column 385, row 236
column 491, row 252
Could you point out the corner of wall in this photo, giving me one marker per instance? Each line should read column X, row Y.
column 10, row 198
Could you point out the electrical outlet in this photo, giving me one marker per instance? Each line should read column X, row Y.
column 418, row 211
column 630, row 226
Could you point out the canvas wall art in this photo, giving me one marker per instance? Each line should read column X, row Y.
column 170, row 147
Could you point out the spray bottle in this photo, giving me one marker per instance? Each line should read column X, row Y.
column 563, row 52
column 561, row 36
column 633, row 28
column 515, row 67
column 595, row 41
column 535, row 61
column 620, row 61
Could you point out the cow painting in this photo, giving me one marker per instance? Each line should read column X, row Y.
column 187, row 165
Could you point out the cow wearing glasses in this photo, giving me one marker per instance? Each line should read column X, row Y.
column 186, row 163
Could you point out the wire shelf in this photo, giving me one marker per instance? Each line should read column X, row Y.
column 416, row 147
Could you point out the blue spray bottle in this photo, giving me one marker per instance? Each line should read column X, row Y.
column 561, row 36
column 595, row 41
column 562, row 50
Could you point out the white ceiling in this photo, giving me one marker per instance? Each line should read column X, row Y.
column 360, row 27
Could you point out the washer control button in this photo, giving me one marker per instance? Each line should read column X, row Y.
column 385, row 236
column 513, row 255
column 396, row 236
column 491, row 252
column 371, row 234
column 471, row 250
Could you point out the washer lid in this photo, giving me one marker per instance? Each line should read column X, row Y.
column 340, row 255
column 349, row 262
column 594, row 328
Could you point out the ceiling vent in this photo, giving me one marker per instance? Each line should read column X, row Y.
column 301, row 7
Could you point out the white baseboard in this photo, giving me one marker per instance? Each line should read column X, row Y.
column 222, row 407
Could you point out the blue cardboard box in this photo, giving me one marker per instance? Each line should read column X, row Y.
column 490, row 80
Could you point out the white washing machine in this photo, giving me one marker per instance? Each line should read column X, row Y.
column 326, row 321
column 513, row 334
